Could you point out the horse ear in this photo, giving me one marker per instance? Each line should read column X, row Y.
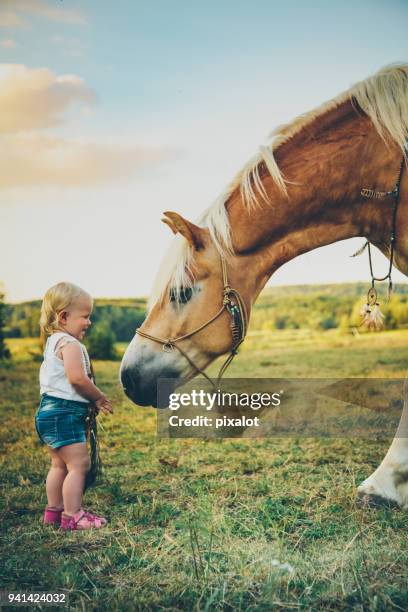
column 192, row 233
column 170, row 224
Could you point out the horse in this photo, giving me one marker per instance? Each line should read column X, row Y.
column 303, row 190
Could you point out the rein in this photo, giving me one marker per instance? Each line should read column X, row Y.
column 371, row 313
column 377, row 195
column 92, row 434
column 233, row 303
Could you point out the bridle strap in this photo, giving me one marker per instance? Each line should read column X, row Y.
column 376, row 195
column 239, row 322
column 170, row 341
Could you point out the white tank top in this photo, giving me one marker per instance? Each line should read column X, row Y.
column 53, row 379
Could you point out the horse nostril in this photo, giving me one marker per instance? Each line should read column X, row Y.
column 126, row 379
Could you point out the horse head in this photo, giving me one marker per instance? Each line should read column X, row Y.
column 198, row 314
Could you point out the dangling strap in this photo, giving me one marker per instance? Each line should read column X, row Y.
column 92, row 434
column 373, row 194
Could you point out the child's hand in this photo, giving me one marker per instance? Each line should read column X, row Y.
column 104, row 404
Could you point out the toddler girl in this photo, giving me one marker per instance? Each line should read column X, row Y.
column 66, row 391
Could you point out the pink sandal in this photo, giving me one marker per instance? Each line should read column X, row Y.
column 82, row 520
column 52, row 516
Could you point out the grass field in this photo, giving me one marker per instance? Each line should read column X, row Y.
column 211, row 525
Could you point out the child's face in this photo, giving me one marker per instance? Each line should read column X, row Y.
column 76, row 320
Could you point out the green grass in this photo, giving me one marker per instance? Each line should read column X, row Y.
column 211, row 525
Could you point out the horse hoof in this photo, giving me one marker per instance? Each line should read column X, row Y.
column 372, row 500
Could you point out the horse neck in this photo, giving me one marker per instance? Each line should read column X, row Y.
column 326, row 166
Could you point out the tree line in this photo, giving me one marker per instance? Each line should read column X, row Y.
column 121, row 316
column 112, row 321
column 323, row 307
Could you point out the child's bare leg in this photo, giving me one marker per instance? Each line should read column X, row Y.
column 76, row 458
column 55, row 480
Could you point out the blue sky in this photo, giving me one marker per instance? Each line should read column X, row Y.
column 164, row 102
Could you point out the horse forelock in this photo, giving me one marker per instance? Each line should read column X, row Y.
column 383, row 97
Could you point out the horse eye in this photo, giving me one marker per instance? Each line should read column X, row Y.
column 185, row 295
column 182, row 296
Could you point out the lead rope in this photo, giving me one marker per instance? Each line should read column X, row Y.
column 371, row 313
column 234, row 304
column 92, row 435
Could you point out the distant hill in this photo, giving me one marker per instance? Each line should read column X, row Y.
column 338, row 289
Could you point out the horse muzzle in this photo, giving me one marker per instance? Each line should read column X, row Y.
column 142, row 371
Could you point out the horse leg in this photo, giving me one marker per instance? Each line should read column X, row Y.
column 388, row 485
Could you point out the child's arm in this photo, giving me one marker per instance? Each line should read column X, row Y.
column 75, row 371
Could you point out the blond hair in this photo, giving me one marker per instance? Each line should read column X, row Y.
column 57, row 299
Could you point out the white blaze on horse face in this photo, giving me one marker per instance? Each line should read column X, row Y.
column 145, row 356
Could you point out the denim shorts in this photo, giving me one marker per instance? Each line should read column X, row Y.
column 60, row 422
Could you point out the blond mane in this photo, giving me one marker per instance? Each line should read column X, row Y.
column 384, row 99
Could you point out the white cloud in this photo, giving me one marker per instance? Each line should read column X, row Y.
column 31, row 99
column 35, row 160
column 36, row 98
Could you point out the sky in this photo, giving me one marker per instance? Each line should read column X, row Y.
column 113, row 112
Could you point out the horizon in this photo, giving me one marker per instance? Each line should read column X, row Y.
column 380, row 289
